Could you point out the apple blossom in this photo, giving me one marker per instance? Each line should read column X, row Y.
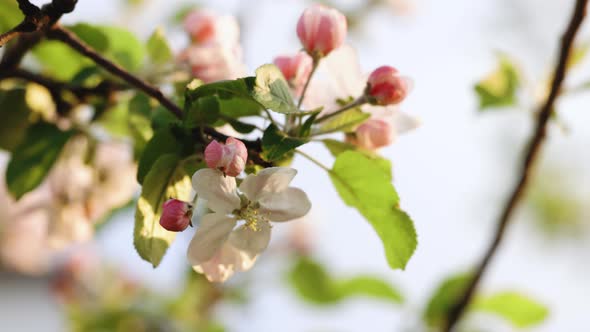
column 211, row 63
column 218, row 248
column 321, row 30
column 296, row 70
column 176, row 215
column 340, row 78
column 386, row 87
column 230, row 157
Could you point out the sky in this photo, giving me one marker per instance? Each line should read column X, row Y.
column 452, row 174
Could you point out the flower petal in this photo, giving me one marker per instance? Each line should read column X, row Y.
column 289, row 204
column 250, row 243
column 217, row 189
column 268, row 180
column 210, row 236
column 225, row 263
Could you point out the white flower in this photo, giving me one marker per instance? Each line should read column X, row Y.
column 339, row 77
column 219, row 248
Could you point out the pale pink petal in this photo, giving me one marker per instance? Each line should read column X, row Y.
column 289, row 204
column 217, row 189
column 268, row 180
column 211, row 234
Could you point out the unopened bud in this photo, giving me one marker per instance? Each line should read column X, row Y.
column 230, row 157
column 374, row 134
column 386, row 87
column 296, row 69
column 321, row 30
column 176, row 215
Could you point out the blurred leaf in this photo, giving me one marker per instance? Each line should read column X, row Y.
column 275, row 144
column 345, row 121
column 115, row 120
column 364, row 182
column 272, row 90
column 499, row 88
column 158, row 49
column 15, row 113
column 34, row 157
column 445, row 296
column 516, row 308
column 124, row 47
column 92, row 36
column 166, row 179
column 10, row 15
column 139, row 123
column 337, row 147
column 313, row 284
column 163, row 142
column 203, row 111
column 59, row 60
column 578, row 55
column 182, row 12
column 239, row 126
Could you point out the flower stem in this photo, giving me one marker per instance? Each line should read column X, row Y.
column 290, row 123
column 359, row 102
column 313, row 160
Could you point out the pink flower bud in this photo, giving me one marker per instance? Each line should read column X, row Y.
column 321, row 29
column 374, row 134
column 200, row 24
column 230, row 157
column 296, row 69
column 385, row 86
column 176, row 215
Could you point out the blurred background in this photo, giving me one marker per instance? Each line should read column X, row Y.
column 453, row 175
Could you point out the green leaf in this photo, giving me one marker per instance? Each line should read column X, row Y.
column 234, row 97
column 139, row 123
column 516, row 308
column 337, row 147
column 124, row 47
column 275, row 144
column 163, row 142
column 202, row 111
column 364, row 182
column 166, row 179
column 272, row 90
column 313, row 284
column 92, row 36
column 15, row 113
column 34, row 157
column 306, row 127
column 499, row 88
column 10, row 15
column 345, row 121
column 59, row 60
column 239, row 126
column 443, row 299
column 158, row 49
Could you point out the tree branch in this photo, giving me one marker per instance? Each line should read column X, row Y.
column 532, row 154
column 69, row 38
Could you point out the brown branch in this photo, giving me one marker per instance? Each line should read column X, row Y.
column 69, row 38
column 532, row 154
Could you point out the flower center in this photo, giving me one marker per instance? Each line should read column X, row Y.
column 253, row 217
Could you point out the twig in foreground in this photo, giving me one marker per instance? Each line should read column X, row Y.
column 531, row 156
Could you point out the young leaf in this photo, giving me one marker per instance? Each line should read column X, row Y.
column 364, row 182
column 313, row 284
column 162, row 142
column 272, row 90
column 124, row 47
column 158, row 49
column 14, row 112
column 202, row 111
column 91, row 35
column 234, row 97
column 275, row 144
column 166, row 179
column 34, row 157
column 516, row 308
column 337, row 147
column 500, row 87
column 345, row 121
column 306, row 127
column 445, row 296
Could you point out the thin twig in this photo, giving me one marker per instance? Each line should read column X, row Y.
column 359, row 102
column 69, row 38
column 532, row 154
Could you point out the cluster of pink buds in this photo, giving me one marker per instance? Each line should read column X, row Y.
column 215, row 53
